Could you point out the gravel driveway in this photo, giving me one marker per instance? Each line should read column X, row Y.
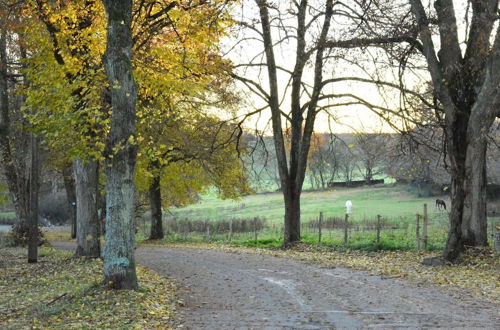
column 224, row 290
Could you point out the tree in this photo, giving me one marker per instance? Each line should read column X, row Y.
column 18, row 147
column 292, row 170
column 322, row 164
column 348, row 162
column 465, row 90
column 118, row 253
column 467, row 86
column 371, row 152
column 69, row 187
column 68, row 111
column 191, row 164
column 179, row 74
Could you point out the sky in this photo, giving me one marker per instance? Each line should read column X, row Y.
column 346, row 119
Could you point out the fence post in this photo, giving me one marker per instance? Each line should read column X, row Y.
column 426, row 222
column 255, row 227
column 418, row 232
column 346, row 224
column 207, row 225
column 378, row 230
column 319, row 226
column 230, row 229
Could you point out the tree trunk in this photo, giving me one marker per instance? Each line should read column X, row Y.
column 292, row 216
column 474, row 224
column 119, row 263
column 33, row 239
column 454, row 242
column 155, row 204
column 87, row 234
column 101, row 211
column 69, row 187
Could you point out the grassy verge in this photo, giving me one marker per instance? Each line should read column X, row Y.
column 61, row 292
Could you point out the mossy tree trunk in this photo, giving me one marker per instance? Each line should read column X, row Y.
column 119, row 263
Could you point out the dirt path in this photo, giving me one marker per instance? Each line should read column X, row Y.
column 241, row 291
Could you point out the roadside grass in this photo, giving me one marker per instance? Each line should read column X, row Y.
column 58, row 236
column 7, row 218
column 61, row 292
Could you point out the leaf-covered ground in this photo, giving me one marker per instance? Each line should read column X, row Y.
column 477, row 273
column 62, row 292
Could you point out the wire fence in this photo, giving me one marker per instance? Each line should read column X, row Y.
column 421, row 232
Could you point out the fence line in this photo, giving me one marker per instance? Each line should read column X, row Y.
column 372, row 233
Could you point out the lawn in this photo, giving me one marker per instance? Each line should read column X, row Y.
column 389, row 201
column 395, row 203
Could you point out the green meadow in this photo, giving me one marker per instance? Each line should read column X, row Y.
column 388, row 201
column 396, row 205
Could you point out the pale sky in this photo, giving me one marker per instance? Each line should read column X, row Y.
column 346, row 118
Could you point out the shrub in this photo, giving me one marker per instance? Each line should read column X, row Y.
column 220, row 226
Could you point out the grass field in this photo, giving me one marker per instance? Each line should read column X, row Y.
column 388, row 201
column 396, row 205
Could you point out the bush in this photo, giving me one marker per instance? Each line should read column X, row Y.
column 339, row 223
column 220, row 226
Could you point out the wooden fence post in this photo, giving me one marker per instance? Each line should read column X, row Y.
column 418, row 232
column 208, row 230
column 255, row 227
column 319, row 226
column 426, row 222
column 346, row 224
column 230, row 229
column 378, row 230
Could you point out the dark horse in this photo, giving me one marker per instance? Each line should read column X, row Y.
column 440, row 204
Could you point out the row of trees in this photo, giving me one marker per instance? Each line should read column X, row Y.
column 119, row 95
column 415, row 157
column 332, row 158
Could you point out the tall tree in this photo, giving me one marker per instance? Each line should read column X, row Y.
column 118, row 253
column 15, row 140
column 371, row 149
column 63, row 51
column 190, row 164
column 467, row 85
column 303, row 100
